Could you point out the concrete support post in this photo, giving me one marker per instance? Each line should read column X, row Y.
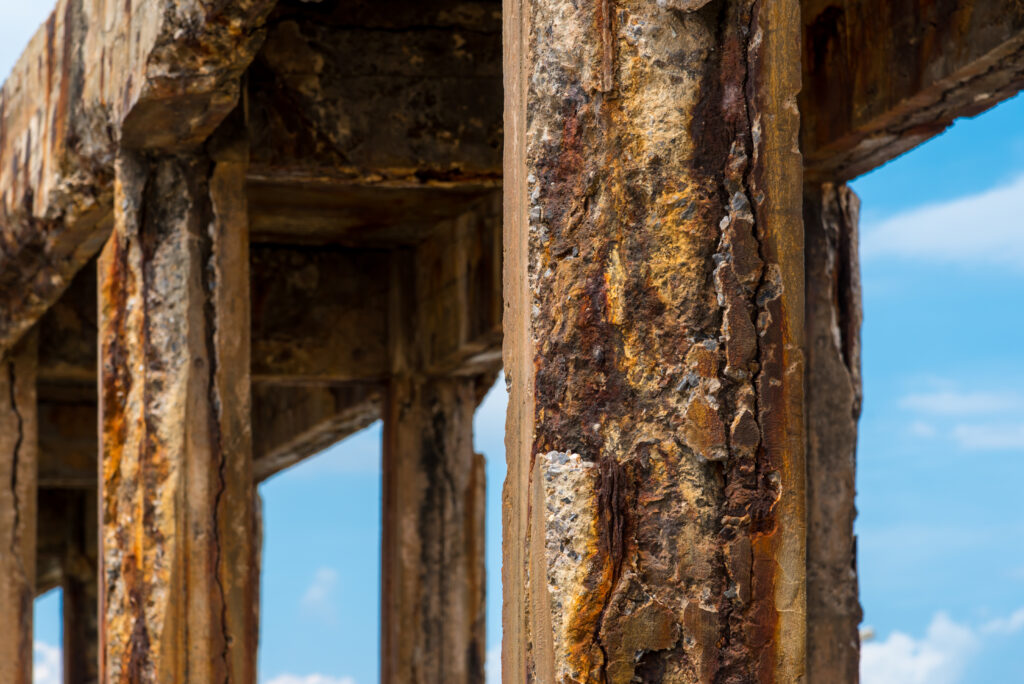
column 179, row 571
column 833, row 407
column 655, row 502
column 81, row 591
column 433, row 552
column 18, row 472
column 433, row 589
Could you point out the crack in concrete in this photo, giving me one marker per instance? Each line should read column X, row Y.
column 16, row 464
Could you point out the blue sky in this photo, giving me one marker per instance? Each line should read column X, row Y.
column 941, row 456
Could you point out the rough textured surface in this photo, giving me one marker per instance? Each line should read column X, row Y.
column 179, row 554
column 654, row 325
column 883, row 76
column 833, row 406
column 18, row 430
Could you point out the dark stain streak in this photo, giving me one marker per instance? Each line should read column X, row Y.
column 12, row 380
column 607, row 42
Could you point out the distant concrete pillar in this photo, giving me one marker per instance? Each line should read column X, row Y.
column 18, row 472
column 654, row 511
column 833, row 406
column 433, row 608
column 81, row 591
column 179, row 550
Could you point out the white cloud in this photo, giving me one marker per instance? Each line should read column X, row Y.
column 986, row 228
column 953, row 403
column 47, row 665
column 990, row 437
column 1005, row 626
column 311, row 679
column 939, row 658
column 493, row 665
column 319, row 597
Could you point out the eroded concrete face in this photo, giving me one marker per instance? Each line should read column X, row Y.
column 655, row 281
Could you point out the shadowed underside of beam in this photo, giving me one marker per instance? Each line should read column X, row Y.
column 883, row 76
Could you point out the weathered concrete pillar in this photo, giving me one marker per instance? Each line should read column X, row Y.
column 433, row 589
column 81, row 592
column 433, row 555
column 833, row 407
column 179, row 557
column 654, row 507
column 18, row 471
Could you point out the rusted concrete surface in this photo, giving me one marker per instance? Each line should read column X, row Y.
column 99, row 74
column 18, row 463
column 179, row 553
column 833, row 407
column 654, row 333
column 883, row 76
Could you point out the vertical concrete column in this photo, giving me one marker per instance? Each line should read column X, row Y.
column 179, row 550
column 433, row 612
column 833, row 406
column 18, row 472
column 655, row 502
column 81, row 591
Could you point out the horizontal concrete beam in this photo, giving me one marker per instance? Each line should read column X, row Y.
column 883, row 76
column 290, row 423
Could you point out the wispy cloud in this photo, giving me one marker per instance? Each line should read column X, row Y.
column 47, row 666
column 310, row 679
column 978, row 420
column 954, row 403
column 990, row 436
column 1005, row 626
column 986, row 228
column 319, row 598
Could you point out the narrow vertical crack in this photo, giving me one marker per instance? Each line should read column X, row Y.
column 16, row 464
column 210, row 276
